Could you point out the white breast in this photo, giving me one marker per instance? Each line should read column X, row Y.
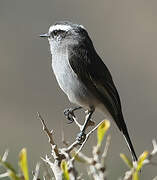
column 68, row 80
column 62, row 70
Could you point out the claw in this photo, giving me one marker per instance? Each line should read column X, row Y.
column 69, row 114
column 70, row 121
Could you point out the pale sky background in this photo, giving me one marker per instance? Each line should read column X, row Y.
column 125, row 35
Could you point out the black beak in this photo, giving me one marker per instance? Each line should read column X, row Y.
column 44, row 35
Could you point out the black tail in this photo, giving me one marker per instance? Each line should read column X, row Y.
column 123, row 128
column 129, row 143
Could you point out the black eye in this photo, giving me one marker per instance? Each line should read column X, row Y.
column 57, row 32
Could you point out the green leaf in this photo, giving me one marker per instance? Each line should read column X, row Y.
column 64, row 168
column 142, row 157
column 23, row 163
column 135, row 176
column 127, row 161
column 102, row 129
column 13, row 176
column 11, row 171
column 7, row 165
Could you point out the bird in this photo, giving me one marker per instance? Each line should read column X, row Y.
column 83, row 76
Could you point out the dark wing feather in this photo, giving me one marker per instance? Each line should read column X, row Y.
column 94, row 74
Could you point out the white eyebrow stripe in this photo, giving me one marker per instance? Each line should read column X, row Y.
column 82, row 27
column 60, row 27
column 63, row 27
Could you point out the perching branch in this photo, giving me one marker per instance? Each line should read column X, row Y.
column 60, row 154
column 96, row 163
column 87, row 136
column 62, row 160
column 90, row 123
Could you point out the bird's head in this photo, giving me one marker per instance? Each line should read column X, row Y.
column 65, row 33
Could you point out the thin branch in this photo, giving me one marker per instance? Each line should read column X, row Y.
column 54, row 166
column 64, row 153
column 108, row 141
column 76, row 122
column 47, row 160
column 46, row 173
column 84, row 142
column 66, row 143
column 154, row 147
column 49, row 135
column 128, row 175
column 36, row 173
column 6, row 174
column 152, row 154
column 72, row 146
column 5, row 155
column 90, row 123
column 85, row 158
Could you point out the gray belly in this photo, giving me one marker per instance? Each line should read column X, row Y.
column 68, row 81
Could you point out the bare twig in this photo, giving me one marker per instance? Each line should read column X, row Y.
column 152, row 154
column 36, row 173
column 58, row 154
column 128, row 175
column 85, row 158
column 90, row 123
column 5, row 155
column 72, row 146
column 55, row 167
column 87, row 136
column 6, row 174
column 108, row 140
column 46, row 173
column 97, row 169
column 49, row 135
column 76, row 122
column 66, row 143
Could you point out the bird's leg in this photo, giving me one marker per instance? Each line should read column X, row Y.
column 81, row 136
column 69, row 113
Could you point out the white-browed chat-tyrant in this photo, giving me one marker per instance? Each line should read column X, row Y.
column 83, row 76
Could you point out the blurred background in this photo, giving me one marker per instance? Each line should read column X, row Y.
column 125, row 35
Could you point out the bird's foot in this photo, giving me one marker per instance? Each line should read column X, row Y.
column 69, row 114
column 81, row 137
